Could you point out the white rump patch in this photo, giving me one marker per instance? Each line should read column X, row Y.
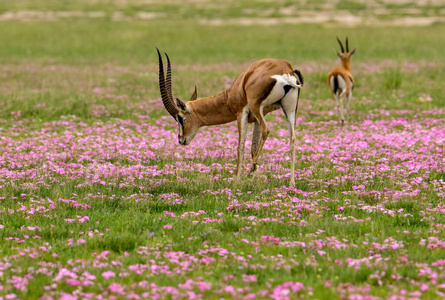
column 287, row 79
column 341, row 84
column 278, row 92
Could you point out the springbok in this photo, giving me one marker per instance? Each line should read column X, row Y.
column 341, row 81
column 265, row 86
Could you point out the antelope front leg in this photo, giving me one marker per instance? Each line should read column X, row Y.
column 242, row 131
column 255, row 140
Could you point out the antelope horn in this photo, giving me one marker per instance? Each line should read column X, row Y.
column 165, row 87
column 347, row 45
column 168, row 79
column 341, row 45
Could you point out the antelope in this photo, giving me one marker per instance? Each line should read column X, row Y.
column 266, row 85
column 341, row 81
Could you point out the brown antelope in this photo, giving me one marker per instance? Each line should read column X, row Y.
column 341, row 81
column 265, row 86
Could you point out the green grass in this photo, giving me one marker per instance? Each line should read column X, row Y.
column 63, row 64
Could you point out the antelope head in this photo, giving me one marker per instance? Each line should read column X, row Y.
column 345, row 56
column 188, row 124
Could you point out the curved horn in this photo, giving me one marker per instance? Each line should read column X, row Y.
column 168, row 79
column 347, row 45
column 341, row 45
column 165, row 88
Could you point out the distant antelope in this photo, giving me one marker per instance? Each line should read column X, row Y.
column 341, row 81
column 265, row 86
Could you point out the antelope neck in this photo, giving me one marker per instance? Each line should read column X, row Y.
column 212, row 110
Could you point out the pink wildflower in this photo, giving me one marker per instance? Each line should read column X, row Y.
column 108, row 274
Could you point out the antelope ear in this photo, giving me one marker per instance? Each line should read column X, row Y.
column 195, row 95
column 353, row 51
column 338, row 54
column 181, row 105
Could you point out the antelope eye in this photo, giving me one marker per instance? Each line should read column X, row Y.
column 181, row 120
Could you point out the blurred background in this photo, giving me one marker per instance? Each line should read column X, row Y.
column 97, row 59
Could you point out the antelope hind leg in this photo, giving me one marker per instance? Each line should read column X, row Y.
column 289, row 105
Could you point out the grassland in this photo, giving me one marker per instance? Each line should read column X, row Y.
column 98, row 200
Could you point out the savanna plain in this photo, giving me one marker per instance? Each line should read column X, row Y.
column 99, row 201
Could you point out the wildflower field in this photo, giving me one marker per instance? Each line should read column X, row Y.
column 99, row 201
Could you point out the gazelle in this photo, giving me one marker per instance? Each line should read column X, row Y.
column 266, row 85
column 341, row 81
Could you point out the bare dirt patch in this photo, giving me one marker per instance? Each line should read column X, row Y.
column 373, row 14
column 329, row 18
column 33, row 15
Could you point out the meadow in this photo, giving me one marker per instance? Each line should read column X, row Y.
column 99, row 201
